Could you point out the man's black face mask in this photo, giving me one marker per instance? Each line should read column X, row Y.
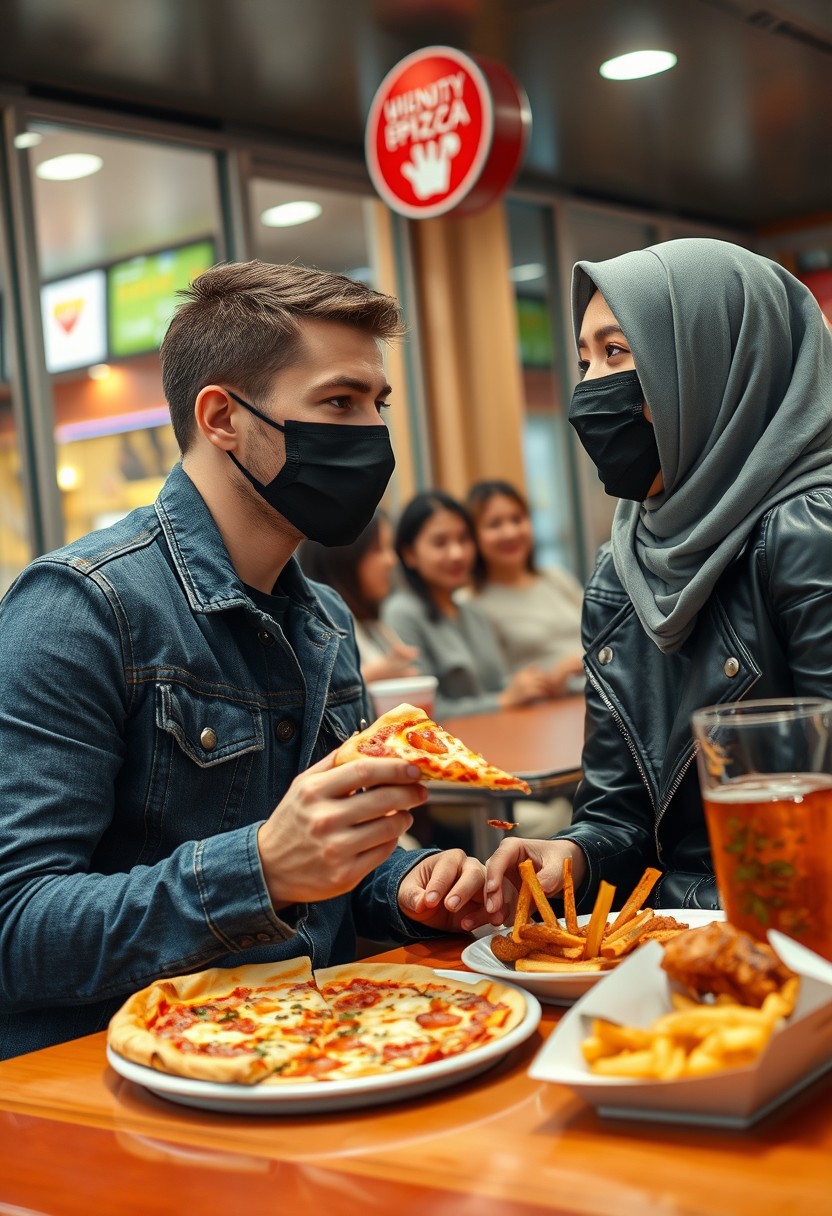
column 333, row 478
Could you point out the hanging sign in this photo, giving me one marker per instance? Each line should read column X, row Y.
column 446, row 132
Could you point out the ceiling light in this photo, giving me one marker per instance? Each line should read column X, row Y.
column 68, row 477
column 289, row 214
column 66, row 168
column 27, row 139
column 637, row 64
column 99, row 371
column 527, row 272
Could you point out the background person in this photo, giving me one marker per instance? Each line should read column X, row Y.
column 361, row 573
column 536, row 614
column 706, row 405
column 455, row 640
column 172, row 690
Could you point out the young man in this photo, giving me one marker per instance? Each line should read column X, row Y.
column 172, row 689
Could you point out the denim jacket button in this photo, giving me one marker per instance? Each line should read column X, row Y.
column 284, row 731
column 208, row 738
column 265, row 637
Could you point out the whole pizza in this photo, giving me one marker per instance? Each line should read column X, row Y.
column 277, row 1023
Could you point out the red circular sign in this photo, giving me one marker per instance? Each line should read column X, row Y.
column 445, row 133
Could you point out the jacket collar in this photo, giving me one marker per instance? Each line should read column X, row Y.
column 203, row 563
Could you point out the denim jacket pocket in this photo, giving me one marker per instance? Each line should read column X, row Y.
column 209, row 729
column 339, row 722
column 202, row 761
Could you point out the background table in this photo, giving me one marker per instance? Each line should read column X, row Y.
column 541, row 743
column 77, row 1139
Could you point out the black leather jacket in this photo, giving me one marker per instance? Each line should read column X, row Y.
column 766, row 631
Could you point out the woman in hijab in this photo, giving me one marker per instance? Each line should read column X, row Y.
column 706, row 406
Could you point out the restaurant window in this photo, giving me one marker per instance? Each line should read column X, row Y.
column 545, row 450
column 121, row 225
column 15, row 543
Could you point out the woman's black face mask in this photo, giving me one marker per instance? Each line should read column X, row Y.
column 608, row 415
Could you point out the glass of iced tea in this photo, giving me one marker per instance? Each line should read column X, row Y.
column 765, row 772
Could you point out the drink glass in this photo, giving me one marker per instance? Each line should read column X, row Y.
column 765, row 772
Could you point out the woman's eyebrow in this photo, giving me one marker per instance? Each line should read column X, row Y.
column 606, row 331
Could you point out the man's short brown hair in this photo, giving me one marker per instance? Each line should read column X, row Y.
column 240, row 323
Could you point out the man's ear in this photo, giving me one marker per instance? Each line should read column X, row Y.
column 216, row 415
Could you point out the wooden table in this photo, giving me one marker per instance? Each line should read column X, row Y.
column 541, row 743
column 77, row 1140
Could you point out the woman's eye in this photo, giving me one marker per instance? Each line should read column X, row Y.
column 583, row 366
column 614, row 349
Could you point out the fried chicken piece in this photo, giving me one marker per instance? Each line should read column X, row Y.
column 718, row 958
column 508, row 951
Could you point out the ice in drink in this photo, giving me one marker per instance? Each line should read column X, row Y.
column 771, row 840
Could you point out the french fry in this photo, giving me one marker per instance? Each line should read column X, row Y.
column 544, row 935
column 640, row 892
column 559, row 964
column 598, row 919
column 564, row 953
column 521, row 915
column 547, row 912
column 627, row 937
column 569, row 911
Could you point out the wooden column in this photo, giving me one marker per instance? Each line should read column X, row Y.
column 469, row 338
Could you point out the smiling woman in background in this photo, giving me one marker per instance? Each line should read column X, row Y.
column 535, row 614
column 456, row 643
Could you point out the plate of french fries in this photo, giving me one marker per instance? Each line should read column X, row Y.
column 559, row 960
column 645, row 1046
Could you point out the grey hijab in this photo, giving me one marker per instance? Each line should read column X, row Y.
column 736, row 365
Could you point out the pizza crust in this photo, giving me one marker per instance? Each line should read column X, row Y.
column 128, row 1035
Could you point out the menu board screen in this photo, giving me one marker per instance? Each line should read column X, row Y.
column 74, row 321
column 142, row 295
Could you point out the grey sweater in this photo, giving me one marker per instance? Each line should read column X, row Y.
column 463, row 653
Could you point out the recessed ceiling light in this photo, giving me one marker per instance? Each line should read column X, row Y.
column 66, row 168
column 289, row 214
column 637, row 64
column 527, row 272
column 27, row 139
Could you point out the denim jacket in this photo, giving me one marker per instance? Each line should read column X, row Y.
column 151, row 717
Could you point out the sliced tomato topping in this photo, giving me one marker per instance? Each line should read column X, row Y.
column 426, row 740
column 434, row 1018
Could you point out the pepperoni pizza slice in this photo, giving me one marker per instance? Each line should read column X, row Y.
column 407, row 733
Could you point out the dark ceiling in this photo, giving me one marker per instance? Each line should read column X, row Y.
column 739, row 132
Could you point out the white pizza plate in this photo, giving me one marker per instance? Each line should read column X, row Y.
column 312, row 1097
column 561, row 987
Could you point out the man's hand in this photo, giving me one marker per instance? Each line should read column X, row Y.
column 502, row 875
column 335, row 825
column 445, row 891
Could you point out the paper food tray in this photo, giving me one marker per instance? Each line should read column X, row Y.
column 637, row 993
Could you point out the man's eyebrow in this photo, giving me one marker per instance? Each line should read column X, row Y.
column 606, row 331
column 357, row 386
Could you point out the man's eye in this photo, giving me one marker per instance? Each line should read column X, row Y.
column 340, row 403
column 383, row 405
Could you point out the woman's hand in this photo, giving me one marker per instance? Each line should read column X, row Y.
column 525, row 686
column 561, row 673
column 445, row 891
column 502, row 881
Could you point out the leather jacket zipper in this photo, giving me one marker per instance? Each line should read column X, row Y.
column 616, row 716
column 677, row 781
